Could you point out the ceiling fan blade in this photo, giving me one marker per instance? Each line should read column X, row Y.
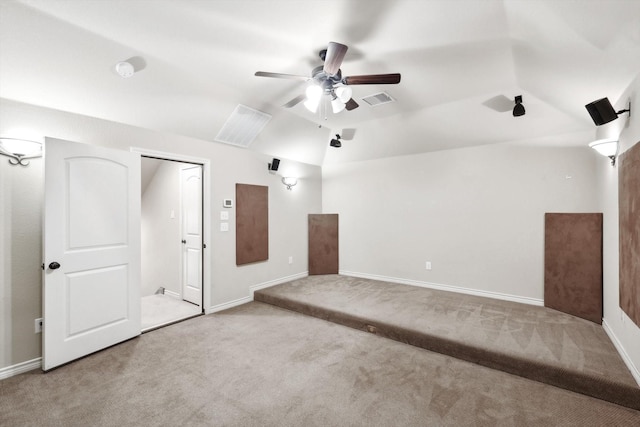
column 373, row 79
column 281, row 76
column 295, row 101
column 351, row 105
column 333, row 59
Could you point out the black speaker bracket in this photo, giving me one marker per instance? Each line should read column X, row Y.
column 628, row 110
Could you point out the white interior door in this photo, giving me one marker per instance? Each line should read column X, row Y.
column 191, row 201
column 91, row 285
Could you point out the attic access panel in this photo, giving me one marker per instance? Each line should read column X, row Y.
column 243, row 126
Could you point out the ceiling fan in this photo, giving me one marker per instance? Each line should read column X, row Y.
column 327, row 80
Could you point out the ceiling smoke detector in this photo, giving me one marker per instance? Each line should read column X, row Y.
column 125, row 69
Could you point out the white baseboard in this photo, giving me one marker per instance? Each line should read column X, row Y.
column 449, row 288
column 635, row 372
column 172, row 294
column 19, row 368
column 252, row 289
column 227, row 305
column 274, row 282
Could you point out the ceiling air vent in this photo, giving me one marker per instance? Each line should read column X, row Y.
column 378, row 99
column 242, row 126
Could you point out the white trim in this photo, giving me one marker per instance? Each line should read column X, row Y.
column 230, row 304
column 635, row 372
column 206, row 210
column 172, row 294
column 274, row 282
column 252, row 289
column 449, row 288
column 20, row 368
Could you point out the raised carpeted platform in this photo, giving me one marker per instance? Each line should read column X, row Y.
column 533, row 342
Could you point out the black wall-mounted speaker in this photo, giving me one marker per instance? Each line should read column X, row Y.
column 275, row 163
column 601, row 111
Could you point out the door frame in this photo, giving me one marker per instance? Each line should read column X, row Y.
column 206, row 212
column 183, row 234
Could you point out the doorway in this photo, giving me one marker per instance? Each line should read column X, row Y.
column 171, row 241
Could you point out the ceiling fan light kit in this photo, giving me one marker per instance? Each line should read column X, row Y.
column 337, row 105
column 327, row 80
column 344, row 93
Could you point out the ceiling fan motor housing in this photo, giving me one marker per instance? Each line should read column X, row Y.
column 324, row 80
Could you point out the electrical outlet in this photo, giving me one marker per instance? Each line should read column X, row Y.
column 427, row 265
column 38, row 325
column 290, row 260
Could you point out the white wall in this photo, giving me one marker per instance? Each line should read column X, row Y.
column 621, row 328
column 477, row 214
column 160, row 233
column 21, row 212
column 20, row 259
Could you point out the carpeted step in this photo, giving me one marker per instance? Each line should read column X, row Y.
column 431, row 320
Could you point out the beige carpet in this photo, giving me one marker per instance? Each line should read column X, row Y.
column 535, row 342
column 259, row 365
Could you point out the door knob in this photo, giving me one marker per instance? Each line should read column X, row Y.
column 54, row 266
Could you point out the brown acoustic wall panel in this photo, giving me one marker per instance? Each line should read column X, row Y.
column 573, row 264
column 629, row 217
column 323, row 244
column 252, row 223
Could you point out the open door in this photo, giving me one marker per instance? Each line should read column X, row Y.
column 91, row 283
column 191, row 201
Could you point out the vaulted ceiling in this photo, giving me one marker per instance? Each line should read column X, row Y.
column 462, row 63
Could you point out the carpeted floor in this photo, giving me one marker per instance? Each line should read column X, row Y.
column 534, row 342
column 259, row 365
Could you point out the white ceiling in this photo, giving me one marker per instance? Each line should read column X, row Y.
column 197, row 61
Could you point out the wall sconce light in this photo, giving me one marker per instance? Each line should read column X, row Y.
column 289, row 181
column 606, row 147
column 20, row 150
column 601, row 111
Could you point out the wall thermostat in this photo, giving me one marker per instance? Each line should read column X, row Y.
column 227, row 203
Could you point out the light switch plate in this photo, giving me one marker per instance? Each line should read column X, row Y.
column 224, row 226
column 224, row 215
